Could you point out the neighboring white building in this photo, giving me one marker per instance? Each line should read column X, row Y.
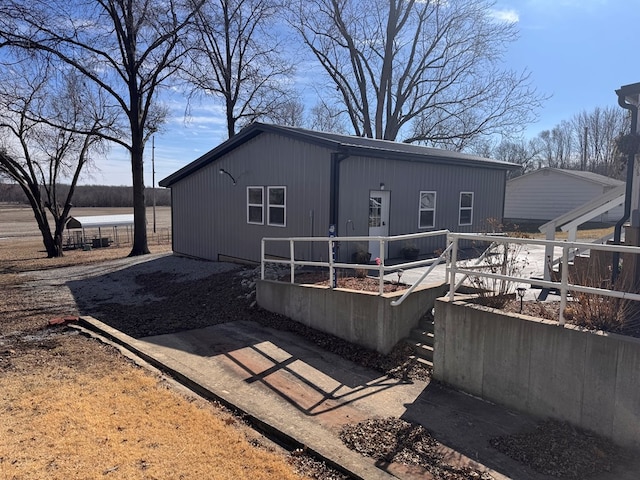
column 547, row 193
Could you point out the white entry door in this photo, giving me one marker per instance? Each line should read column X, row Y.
column 378, row 219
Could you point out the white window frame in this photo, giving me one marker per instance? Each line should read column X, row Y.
column 432, row 209
column 261, row 205
column 283, row 207
column 461, row 209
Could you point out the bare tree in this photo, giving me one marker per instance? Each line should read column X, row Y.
column 557, row 146
column 428, row 70
column 595, row 133
column 37, row 154
column 522, row 152
column 126, row 47
column 236, row 54
column 587, row 141
column 326, row 118
column 289, row 113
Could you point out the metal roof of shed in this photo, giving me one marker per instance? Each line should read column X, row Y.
column 97, row 221
column 343, row 144
column 587, row 176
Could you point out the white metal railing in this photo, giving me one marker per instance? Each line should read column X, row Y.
column 332, row 242
column 570, row 221
column 563, row 285
column 443, row 256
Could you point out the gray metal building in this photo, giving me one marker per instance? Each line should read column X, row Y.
column 275, row 181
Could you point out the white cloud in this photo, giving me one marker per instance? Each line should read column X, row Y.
column 506, row 15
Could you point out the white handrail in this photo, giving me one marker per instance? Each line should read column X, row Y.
column 332, row 265
column 563, row 285
column 410, row 290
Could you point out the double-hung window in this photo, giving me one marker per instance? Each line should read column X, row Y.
column 277, row 206
column 466, row 208
column 427, row 210
column 255, row 205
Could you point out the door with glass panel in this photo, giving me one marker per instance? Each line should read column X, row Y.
column 378, row 219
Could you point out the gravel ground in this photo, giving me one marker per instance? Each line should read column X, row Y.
column 395, row 440
column 161, row 294
column 560, row 450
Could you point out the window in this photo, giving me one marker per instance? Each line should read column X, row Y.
column 466, row 208
column 277, row 206
column 255, row 205
column 375, row 211
column 427, row 211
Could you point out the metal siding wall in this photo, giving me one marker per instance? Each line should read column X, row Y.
column 210, row 211
column 358, row 176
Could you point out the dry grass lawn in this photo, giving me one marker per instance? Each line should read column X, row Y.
column 74, row 408
column 581, row 235
column 107, row 417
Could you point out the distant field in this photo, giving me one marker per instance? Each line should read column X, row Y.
column 21, row 247
column 18, row 220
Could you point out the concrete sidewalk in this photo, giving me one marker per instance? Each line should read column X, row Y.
column 303, row 395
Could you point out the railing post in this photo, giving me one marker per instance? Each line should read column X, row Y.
column 381, row 269
column 550, row 234
column 333, row 278
column 262, row 259
column 331, row 268
column 292, row 258
column 564, row 280
column 454, row 262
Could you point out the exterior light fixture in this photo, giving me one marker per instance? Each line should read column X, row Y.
column 521, row 291
column 381, row 186
column 222, row 171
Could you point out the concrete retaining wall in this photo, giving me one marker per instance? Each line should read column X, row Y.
column 591, row 379
column 363, row 318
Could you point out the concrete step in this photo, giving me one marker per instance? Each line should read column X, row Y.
column 423, row 361
column 420, row 335
column 422, row 339
column 422, row 350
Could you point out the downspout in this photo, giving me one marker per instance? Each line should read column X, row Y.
column 334, row 189
column 617, row 232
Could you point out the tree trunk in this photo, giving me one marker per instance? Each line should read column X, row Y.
column 43, row 225
column 140, row 246
column 58, row 236
column 40, row 214
column 50, row 244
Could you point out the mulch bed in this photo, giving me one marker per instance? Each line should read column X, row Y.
column 392, row 440
column 361, row 283
column 560, row 450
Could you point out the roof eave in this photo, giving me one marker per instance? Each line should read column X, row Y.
column 415, row 157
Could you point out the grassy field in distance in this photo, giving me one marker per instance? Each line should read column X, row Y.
column 18, row 220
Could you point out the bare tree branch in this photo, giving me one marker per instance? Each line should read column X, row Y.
column 236, row 55
column 426, row 71
column 127, row 48
column 37, row 155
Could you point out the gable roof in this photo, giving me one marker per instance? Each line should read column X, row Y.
column 587, row 176
column 343, row 144
column 95, row 221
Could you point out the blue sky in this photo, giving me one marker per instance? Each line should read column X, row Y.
column 577, row 51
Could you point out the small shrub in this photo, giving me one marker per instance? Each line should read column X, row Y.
column 598, row 312
column 505, row 259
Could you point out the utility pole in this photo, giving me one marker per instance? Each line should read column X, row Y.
column 584, row 149
column 153, row 179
